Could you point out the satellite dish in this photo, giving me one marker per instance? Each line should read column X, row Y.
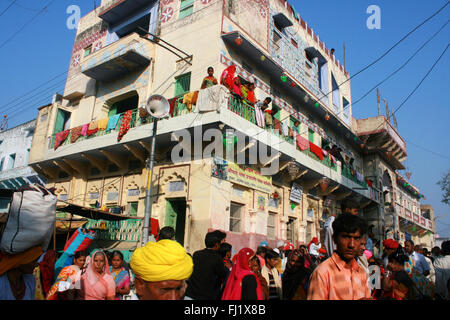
column 158, row 106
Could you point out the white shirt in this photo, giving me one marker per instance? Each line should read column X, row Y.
column 329, row 222
column 421, row 263
column 442, row 275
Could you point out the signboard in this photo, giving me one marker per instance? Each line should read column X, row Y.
column 296, row 193
column 226, row 170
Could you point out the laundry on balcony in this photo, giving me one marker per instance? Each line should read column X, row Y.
column 112, row 122
column 75, row 134
column 302, row 143
column 172, row 104
column 60, row 138
column 84, row 130
column 190, row 99
column 125, row 125
column 285, row 128
column 260, row 119
column 212, row 98
column 103, row 124
column 369, row 182
column 316, row 150
column 93, row 128
column 277, row 126
column 333, row 159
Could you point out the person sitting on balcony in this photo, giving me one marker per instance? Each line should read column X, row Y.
column 209, row 80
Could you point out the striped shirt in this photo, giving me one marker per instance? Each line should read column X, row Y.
column 335, row 280
column 273, row 294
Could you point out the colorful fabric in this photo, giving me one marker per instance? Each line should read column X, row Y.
column 69, row 274
column 422, row 284
column 302, row 143
column 316, row 150
column 172, row 103
column 75, row 134
column 251, row 96
column 38, row 292
column 188, row 99
column 12, row 261
column 241, row 269
column 97, row 286
column 121, row 278
column 160, row 261
column 244, row 91
column 334, row 280
column 103, row 124
column 237, row 86
column 227, row 77
column 112, row 122
column 125, row 125
column 47, row 269
column 93, row 128
column 208, row 82
column 60, row 138
column 84, row 130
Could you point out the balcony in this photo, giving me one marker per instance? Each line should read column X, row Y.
column 121, row 57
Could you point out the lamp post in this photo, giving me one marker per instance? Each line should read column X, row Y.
column 158, row 107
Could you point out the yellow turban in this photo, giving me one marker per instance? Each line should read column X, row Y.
column 161, row 261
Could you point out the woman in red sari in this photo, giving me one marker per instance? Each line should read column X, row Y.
column 243, row 284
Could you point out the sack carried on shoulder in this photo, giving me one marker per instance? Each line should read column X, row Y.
column 31, row 220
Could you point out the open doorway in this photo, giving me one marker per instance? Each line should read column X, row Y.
column 176, row 217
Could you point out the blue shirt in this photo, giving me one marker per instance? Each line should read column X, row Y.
column 421, row 263
column 6, row 292
column 369, row 244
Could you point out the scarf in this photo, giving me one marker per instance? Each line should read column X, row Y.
column 293, row 279
column 75, row 134
column 70, row 273
column 84, row 130
column 125, row 125
column 60, row 138
column 241, row 269
column 98, row 286
column 112, row 122
column 103, row 123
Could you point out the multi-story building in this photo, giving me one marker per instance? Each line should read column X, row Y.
column 15, row 173
column 396, row 211
column 93, row 144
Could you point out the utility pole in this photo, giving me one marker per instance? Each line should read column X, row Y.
column 378, row 101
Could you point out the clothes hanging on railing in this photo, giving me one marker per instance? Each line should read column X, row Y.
column 93, row 128
column 103, row 124
column 112, row 122
column 84, row 130
column 125, row 125
column 316, row 150
column 260, row 119
column 60, row 138
column 75, row 134
column 302, row 143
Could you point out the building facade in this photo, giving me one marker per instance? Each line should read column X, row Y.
column 93, row 143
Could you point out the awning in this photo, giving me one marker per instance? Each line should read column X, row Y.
column 66, row 225
column 122, row 9
column 91, row 213
column 282, row 21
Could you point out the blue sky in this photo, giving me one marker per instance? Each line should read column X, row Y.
column 41, row 51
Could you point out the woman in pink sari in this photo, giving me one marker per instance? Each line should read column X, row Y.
column 243, row 284
column 96, row 282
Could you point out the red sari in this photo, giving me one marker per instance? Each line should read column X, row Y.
column 241, row 269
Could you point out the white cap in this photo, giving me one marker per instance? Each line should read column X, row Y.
column 280, row 244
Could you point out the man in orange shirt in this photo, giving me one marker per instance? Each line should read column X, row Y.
column 340, row 277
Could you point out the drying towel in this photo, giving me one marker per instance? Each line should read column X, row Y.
column 84, row 130
column 93, row 128
column 195, row 97
column 172, row 103
column 125, row 125
column 103, row 124
column 212, row 98
column 277, row 125
column 302, row 143
column 112, row 122
column 285, row 128
column 60, row 138
column 188, row 100
column 369, row 182
column 76, row 133
column 316, row 150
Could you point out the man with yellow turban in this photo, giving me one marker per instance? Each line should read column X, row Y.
column 161, row 269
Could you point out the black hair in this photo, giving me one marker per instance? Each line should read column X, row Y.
column 348, row 204
column 445, row 248
column 436, row 250
column 261, row 249
column 398, row 256
column 117, row 253
column 211, row 240
column 348, row 223
column 269, row 99
column 210, row 68
column 224, row 248
column 271, row 254
column 166, row 233
column 219, row 234
column 79, row 254
column 410, row 241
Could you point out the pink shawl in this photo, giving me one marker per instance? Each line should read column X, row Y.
column 98, row 286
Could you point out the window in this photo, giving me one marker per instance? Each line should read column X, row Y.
column 27, row 156
column 11, row 161
column 235, row 217
column 182, row 84
column 273, row 202
column 323, row 76
column 291, row 230
column 336, row 94
column 133, row 208
column 62, row 121
column 311, row 135
column 123, row 105
column 186, row 8
column 277, row 43
column 87, row 51
column 271, row 225
column 346, row 108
